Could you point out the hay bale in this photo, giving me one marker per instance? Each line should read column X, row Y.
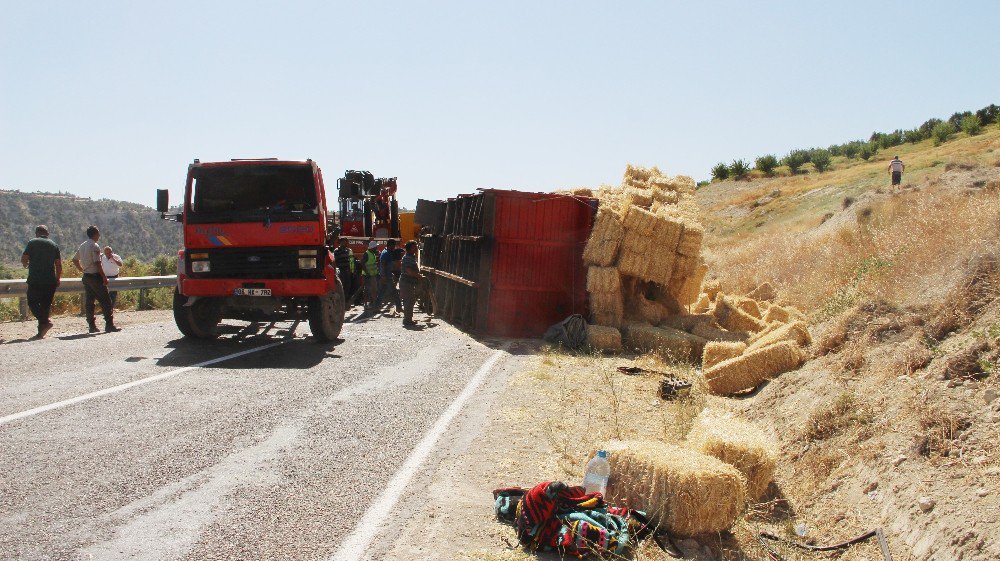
column 647, row 250
column 703, row 304
column 770, row 327
column 691, row 238
column 739, row 444
column 641, row 199
column 748, row 371
column 777, row 313
column 796, row 331
column 718, row 351
column 764, row 292
column 684, row 492
column 712, row 288
column 603, row 279
column 749, row 306
column 687, row 322
column 607, row 308
column 605, row 239
column 650, row 311
column 604, row 339
column 664, row 341
column 583, row 192
column 733, row 318
column 711, row 332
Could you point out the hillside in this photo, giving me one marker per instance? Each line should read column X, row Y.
column 132, row 229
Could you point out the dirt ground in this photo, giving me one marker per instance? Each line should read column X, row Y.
column 17, row 331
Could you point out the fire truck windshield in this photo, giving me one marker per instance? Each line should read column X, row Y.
column 252, row 192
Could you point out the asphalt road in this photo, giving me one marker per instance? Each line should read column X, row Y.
column 292, row 450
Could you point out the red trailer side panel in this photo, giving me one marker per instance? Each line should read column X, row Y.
column 537, row 275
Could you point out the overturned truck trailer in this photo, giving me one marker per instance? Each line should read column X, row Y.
column 506, row 263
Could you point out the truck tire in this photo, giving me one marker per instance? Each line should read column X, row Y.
column 200, row 320
column 326, row 315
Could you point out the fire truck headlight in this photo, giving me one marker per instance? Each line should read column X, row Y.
column 307, row 262
column 200, row 267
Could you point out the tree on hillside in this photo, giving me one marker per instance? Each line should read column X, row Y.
column 942, row 131
column 866, row 151
column 739, row 169
column 766, row 164
column 795, row 160
column 821, row 159
column 927, row 129
column 913, row 136
column 989, row 114
column 720, row 171
column 972, row 125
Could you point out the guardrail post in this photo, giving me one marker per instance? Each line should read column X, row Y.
column 143, row 299
column 23, row 305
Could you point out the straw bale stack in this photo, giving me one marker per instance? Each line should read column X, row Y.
column 604, row 339
column 684, row 492
column 687, row 322
column 583, row 192
column 797, row 332
column 764, row 292
column 667, row 342
column 777, row 313
column 607, row 303
column 770, row 327
column 603, row 279
column 648, row 248
column 733, row 318
column 639, row 198
column 739, row 444
column 605, row 239
column 749, row 370
column 691, row 238
column 718, row 351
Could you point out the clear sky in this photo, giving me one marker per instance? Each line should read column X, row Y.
column 108, row 99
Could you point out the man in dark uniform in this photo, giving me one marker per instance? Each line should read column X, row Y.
column 408, row 280
column 41, row 258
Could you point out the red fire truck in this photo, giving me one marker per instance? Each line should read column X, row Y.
column 255, row 247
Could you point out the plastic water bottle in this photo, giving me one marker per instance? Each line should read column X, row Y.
column 595, row 477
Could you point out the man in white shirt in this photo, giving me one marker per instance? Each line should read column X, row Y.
column 88, row 260
column 896, row 170
column 111, row 262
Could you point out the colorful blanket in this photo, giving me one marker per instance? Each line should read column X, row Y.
column 553, row 516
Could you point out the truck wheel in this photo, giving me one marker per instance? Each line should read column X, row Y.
column 326, row 315
column 200, row 320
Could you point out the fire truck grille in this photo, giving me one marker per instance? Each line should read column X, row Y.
column 260, row 263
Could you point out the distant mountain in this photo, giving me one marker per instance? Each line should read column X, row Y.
column 130, row 228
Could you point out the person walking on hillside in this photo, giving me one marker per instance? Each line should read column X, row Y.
column 369, row 272
column 41, row 258
column 95, row 283
column 408, row 280
column 387, row 280
column 111, row 262
column 896, row 168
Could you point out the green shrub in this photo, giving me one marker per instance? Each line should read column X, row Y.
column 972, row 125
column 766, row 164
column 836, row 149
column 866, row 151
column 739, row 169
column 821, row 159
column 927, row 129
column 989, row 114
column 956, row 119
column 720, row 171
column 913, row 136
column 942, row 131
column 851, row 149
column 795, row 160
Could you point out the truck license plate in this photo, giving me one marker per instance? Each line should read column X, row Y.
column 252, row 292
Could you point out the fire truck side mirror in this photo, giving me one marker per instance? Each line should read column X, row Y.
column 162, row 200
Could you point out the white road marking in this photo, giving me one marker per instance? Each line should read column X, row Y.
column 354, row 546
column 132, row 384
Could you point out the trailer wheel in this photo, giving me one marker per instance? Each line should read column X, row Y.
column 326, row 314
column 199, row 320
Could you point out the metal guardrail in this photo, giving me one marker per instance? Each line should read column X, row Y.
column 19, row 288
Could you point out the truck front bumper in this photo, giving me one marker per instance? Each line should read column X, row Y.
column 279, row 287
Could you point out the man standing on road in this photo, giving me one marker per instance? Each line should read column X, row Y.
column 369, row 272
column 896, row 170
column 41, row 258
column 111, row 262
column 95, row 284
column 343, row 257
column 387, row 279
column 408, row 280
